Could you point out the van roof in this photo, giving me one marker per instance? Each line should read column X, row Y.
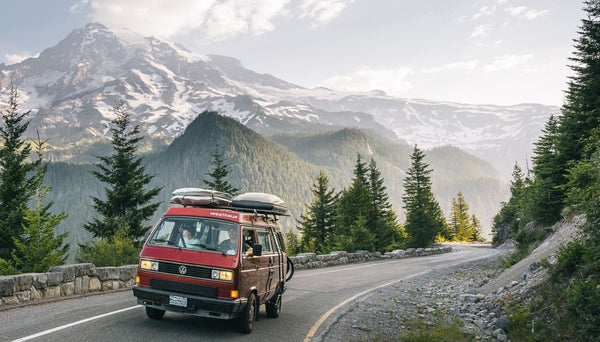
column 224, row 214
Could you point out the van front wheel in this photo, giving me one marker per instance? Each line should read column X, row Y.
column 246, row 320
column 154, row 313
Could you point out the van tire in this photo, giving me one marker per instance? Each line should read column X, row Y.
column 153, row 313
column 246, row 320
column 273, row 307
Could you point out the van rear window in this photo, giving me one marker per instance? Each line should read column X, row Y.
column 197, row 233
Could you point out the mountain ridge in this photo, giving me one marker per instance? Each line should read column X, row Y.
column 72, row 87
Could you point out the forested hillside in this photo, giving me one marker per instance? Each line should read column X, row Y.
column 453, row 169
column 286, row 166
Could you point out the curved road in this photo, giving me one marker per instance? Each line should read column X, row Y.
column 312, row 301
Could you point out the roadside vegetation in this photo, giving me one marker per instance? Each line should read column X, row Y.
column 564, row 181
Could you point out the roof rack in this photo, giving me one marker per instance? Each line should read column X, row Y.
column 251, row 202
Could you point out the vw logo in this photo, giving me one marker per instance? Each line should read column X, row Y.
column 182, row 269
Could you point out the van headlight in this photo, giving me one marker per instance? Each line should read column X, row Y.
column 149, row 265
column 222, row 275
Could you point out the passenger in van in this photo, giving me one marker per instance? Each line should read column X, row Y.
column 231, row 243
column 187, row 234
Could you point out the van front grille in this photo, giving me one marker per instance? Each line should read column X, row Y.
column 185, row 270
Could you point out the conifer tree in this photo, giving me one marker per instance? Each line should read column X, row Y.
column 38, row 248
column 317, row 224
column 460, row 222
column 382, row 219
column 128, row 203
column 545, row 198
column 506, row 222
column 15, row 184
column 424, row 219
column 292, row 245
column 354, row 203
column 476, row 224
column 581, row 111
column 219, row 175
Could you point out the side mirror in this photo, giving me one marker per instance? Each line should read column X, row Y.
column 257, row 249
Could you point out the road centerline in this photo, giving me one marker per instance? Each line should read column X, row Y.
column 62, row 327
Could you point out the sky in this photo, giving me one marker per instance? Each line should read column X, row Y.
column 501, row 52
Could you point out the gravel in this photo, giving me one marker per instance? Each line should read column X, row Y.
column 447, row 298
column 470, row 297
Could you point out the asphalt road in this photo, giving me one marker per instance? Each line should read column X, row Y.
column 311, row 302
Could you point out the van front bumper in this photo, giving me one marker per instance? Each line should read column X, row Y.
column 196, row 305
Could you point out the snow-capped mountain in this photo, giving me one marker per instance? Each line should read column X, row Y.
column 71, row 89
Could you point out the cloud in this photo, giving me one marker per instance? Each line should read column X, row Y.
column 484, row 11
column 211, row 20
column 465, row 66
column 12, row 58
column 523, row 12
column 322, row 11
column 392, row 81
column 507, row 62
column 214, row 19
column 480, row 31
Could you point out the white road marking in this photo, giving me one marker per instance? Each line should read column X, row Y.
column 62, row 327
column 315, row 327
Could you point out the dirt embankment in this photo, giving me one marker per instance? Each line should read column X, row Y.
column 563, row 232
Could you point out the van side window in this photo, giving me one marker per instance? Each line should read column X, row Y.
column 265, row 241
column 248, row 239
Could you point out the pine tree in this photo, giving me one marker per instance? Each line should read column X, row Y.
column 355, row 203
column 291, row 243
column 460, row 224
column 424, row 219
column 382, row 218
column 581, row 111
column 127, row 203
column 545, row 198
column 506, row 222
column 38, row 248
column 317, row 224
column 15, row 184
column 476, row 224
column 219, row 176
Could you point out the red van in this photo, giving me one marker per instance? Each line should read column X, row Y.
column 214, row 256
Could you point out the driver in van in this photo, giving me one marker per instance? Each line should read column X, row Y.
column 187, row 234
column 231, row 243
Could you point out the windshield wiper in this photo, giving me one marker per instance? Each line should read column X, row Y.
column 216, row 249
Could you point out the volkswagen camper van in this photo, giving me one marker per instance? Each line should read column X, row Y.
column 215, row 256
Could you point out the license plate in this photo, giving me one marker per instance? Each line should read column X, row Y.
column 178, row 301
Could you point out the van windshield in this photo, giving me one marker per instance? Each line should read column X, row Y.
column 197, row 233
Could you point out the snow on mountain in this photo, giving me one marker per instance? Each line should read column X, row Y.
column 72, row 87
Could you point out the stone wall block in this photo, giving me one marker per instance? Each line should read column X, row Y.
column 67, row 289
column 85, row 269
column 10, row 300
column 95, row 285
column 127, row 272
column 68, row 272
column 24, row 296
column 51, row 292
column 107, row 273
column 55, row 278
column 36, row 294
column 7, row 286
column 40, row 281
column 24, row 281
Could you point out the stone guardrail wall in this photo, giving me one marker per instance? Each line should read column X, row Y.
column 63, row 281
column 81, row 279
column 312, row 260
